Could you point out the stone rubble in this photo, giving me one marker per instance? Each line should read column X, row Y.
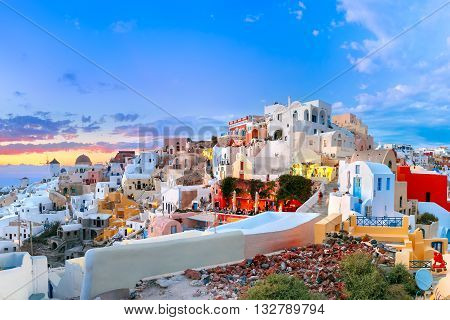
column 317, row 265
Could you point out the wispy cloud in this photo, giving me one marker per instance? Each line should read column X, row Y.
column 30, row 128
column 122, row 26
column 298, row 10
column 71, row 79
column 251, row 18
column 121, row 117
column 315, row 32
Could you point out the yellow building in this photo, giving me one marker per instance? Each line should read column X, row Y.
column 242, row 168
column 312, row 171
column 121, row 209
column 208, row 153
column 416, row 248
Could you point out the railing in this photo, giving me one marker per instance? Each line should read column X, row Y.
column 379, row 222
column 419, row 264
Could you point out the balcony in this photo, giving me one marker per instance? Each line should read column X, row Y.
column 379, row 221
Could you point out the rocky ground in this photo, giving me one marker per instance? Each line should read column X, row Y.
column 317, row 265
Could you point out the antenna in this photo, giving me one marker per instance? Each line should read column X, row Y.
column 424, row 279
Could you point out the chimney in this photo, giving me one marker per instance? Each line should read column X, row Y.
column 289, row 101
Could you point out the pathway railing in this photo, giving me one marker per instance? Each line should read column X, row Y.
column 379, row 221
column 420, row 264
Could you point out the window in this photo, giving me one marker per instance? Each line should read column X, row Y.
column 401, row 202
column 379, row 184
column 357, row 169
column 173, row 229
column 242, row 165
column 388, row 184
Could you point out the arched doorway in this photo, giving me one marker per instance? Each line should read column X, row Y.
column 306, row 115
column 278, row 134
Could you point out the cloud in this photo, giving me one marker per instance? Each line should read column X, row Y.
column 363, row 86
column 85, row 119
column 91, row 127
column 123, row 26
column 298, row 11
column 384, row 20
column 250, row 18
column 105, row 147
column 197, row 128
column 71, row 79
column 73, row 21
column 315, row 33
column 336, row 24
column 121, row 117
column 30, row 128
column 19, row 93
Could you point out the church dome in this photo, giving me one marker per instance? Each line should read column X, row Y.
column 83, row 160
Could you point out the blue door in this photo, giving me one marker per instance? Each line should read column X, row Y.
column 357, row 187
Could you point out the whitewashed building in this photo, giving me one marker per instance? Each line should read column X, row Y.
column 366, row 188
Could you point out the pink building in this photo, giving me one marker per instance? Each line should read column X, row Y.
column 161, row 226
column 176, row 144
column 363, row 141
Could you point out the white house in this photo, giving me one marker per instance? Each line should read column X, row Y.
column 101, row 190
column 183, row 197
column 7, row 246
column 366, row 188
column 138, row 174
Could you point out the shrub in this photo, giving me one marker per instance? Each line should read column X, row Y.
column 397, row 292
column 280, row 287
column 426, row 218
column 399, row 275
column 363, row 280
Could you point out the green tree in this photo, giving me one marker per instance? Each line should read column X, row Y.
column 294, row 187
column 255, row 185
column 426, row 218
column 280, row 287
column 228, row 185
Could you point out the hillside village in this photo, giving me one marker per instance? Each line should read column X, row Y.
column 290, row 190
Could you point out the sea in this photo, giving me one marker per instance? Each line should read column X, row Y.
column 10, row 175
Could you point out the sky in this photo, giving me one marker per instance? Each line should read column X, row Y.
column 188, row 67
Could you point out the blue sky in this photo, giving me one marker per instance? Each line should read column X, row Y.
column 215, row 60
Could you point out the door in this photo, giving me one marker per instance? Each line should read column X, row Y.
column 428, row 197
column 357, row 187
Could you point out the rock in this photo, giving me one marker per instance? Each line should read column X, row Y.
column 133, row 294
column 164, row 283
column 196, row 283
column 206, row 278
column 373, row 242
column 283, row 266
column 197, row 293
column 253, row 278
column 192, row 274
column 265, row 266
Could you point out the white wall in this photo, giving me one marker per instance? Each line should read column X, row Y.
column 28, row 275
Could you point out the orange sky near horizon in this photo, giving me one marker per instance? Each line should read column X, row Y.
column 66, row 158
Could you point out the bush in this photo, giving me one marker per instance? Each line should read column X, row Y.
column 426, row 218
column 280, row 287
column 399, row 275
column 363, row 280
column 397, row 292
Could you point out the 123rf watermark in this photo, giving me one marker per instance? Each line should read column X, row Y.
column 173, row 311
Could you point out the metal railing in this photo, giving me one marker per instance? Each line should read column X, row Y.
column 419, row 264
column 379, row 221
